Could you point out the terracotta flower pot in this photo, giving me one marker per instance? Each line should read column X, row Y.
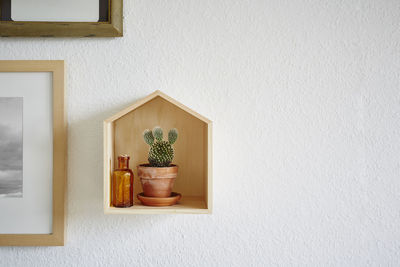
column 157, row 181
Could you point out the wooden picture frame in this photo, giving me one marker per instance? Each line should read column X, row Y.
column 59, row 124
column 111, row 27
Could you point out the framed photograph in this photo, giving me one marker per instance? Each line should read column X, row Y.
column 33, row 148
column 61, row 18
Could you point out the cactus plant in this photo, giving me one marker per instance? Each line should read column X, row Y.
column 161, row 152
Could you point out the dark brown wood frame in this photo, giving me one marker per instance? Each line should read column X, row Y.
column 111, row 28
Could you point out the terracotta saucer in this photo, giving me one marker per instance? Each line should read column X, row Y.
column 159, row 201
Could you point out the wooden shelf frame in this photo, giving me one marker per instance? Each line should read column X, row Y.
column 123, row 135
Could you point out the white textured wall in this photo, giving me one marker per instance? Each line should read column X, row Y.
column 305, row 99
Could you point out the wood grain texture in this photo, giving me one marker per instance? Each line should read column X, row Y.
column 56, row 238
column 123, row 135
column 112, row 28
column 188, row 205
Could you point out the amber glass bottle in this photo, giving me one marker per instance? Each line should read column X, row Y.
column 122, row 184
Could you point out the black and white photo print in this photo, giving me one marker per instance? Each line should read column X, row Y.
column 11, row 176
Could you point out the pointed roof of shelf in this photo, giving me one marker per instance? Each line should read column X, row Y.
column 150, row 97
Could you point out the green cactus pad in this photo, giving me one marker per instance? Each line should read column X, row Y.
column 172, row 135
column 158, row 133
column 148, row 137
column 161, row 154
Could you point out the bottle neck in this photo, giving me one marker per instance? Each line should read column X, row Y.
column 123, row 163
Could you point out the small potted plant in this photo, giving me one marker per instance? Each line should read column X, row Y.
column 158, row 176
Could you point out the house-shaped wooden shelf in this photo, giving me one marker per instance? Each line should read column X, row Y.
column 123, row 135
